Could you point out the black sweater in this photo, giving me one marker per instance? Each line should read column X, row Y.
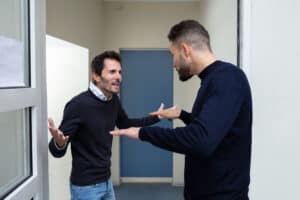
column 88, row 120
column 217, row 137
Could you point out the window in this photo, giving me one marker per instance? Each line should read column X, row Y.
column 14, row 44
column 15, row 144
column 23, row 120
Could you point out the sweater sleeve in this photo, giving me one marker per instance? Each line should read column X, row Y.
column 185, row 117
column 124, row 121
column 204, row 133
column 69, row 126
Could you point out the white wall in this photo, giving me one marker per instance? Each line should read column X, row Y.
column 146, row 25
column 67, row 76
column 77, row 21
column 274, row 72
column 220, row 19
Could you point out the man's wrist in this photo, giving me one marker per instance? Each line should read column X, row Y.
column 179, row 113
column 58, row 146
column 138, row 133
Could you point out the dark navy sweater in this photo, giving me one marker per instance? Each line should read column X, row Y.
column 88, row 120
column 216, row 140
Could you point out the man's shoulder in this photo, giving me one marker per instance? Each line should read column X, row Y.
column 79, row 98
column 231, row 77
column 228, row 66
column 229, row 70
column 81, row 95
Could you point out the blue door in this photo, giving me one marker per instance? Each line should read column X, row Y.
column 147, row 81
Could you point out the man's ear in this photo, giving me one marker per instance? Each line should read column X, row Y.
column 186, row 49
column 95, row 77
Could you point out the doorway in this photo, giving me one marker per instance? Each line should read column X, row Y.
column 148, row 81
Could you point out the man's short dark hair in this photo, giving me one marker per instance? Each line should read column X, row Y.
column 98, row 62
column 190, row 32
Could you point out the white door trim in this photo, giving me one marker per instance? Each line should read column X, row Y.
column 36, row 186
column 146, row 180
column 245, row 36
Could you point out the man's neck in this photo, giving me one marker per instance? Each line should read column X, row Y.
column 107, row 95
column 202, row 61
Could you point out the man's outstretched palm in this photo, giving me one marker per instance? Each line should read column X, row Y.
column 59, row 137
column 169, row 113
column 132, row 132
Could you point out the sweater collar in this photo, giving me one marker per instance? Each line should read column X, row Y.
column 209, row 69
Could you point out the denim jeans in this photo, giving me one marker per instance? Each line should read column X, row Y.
column 99, row 191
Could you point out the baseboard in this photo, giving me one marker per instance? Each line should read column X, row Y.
column 146, row 179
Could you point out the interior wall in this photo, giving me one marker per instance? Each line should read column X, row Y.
column 220, row 19
column 68, row 59
column 77, row 21
column 146, row 25
column 274, row 72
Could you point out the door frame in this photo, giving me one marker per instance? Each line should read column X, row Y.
column 33, row 97
column 244, row 34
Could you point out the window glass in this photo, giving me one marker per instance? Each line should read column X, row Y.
column 14, row 44
column 15, row 149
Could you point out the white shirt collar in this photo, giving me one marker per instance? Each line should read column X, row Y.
column 97, row 92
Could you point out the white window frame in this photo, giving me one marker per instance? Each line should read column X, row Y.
column 36, row 186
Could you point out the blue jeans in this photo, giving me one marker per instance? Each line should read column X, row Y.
column 99, row 191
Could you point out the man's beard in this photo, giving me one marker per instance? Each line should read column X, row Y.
column 184, row 72
column 106, row 86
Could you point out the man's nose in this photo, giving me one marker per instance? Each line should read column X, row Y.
column 119, row 76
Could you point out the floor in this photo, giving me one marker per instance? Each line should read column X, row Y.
column 148, row 191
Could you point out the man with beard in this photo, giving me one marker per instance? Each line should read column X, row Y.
column 216, row 140
column 87, row 120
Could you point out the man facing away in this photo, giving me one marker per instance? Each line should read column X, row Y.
column 216, row 140
column 87, row 120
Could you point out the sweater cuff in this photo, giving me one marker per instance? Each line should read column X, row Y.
column 183, row 115
column 156, row 119
column 55, row 151
column 59, row 148
column 142, row 134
